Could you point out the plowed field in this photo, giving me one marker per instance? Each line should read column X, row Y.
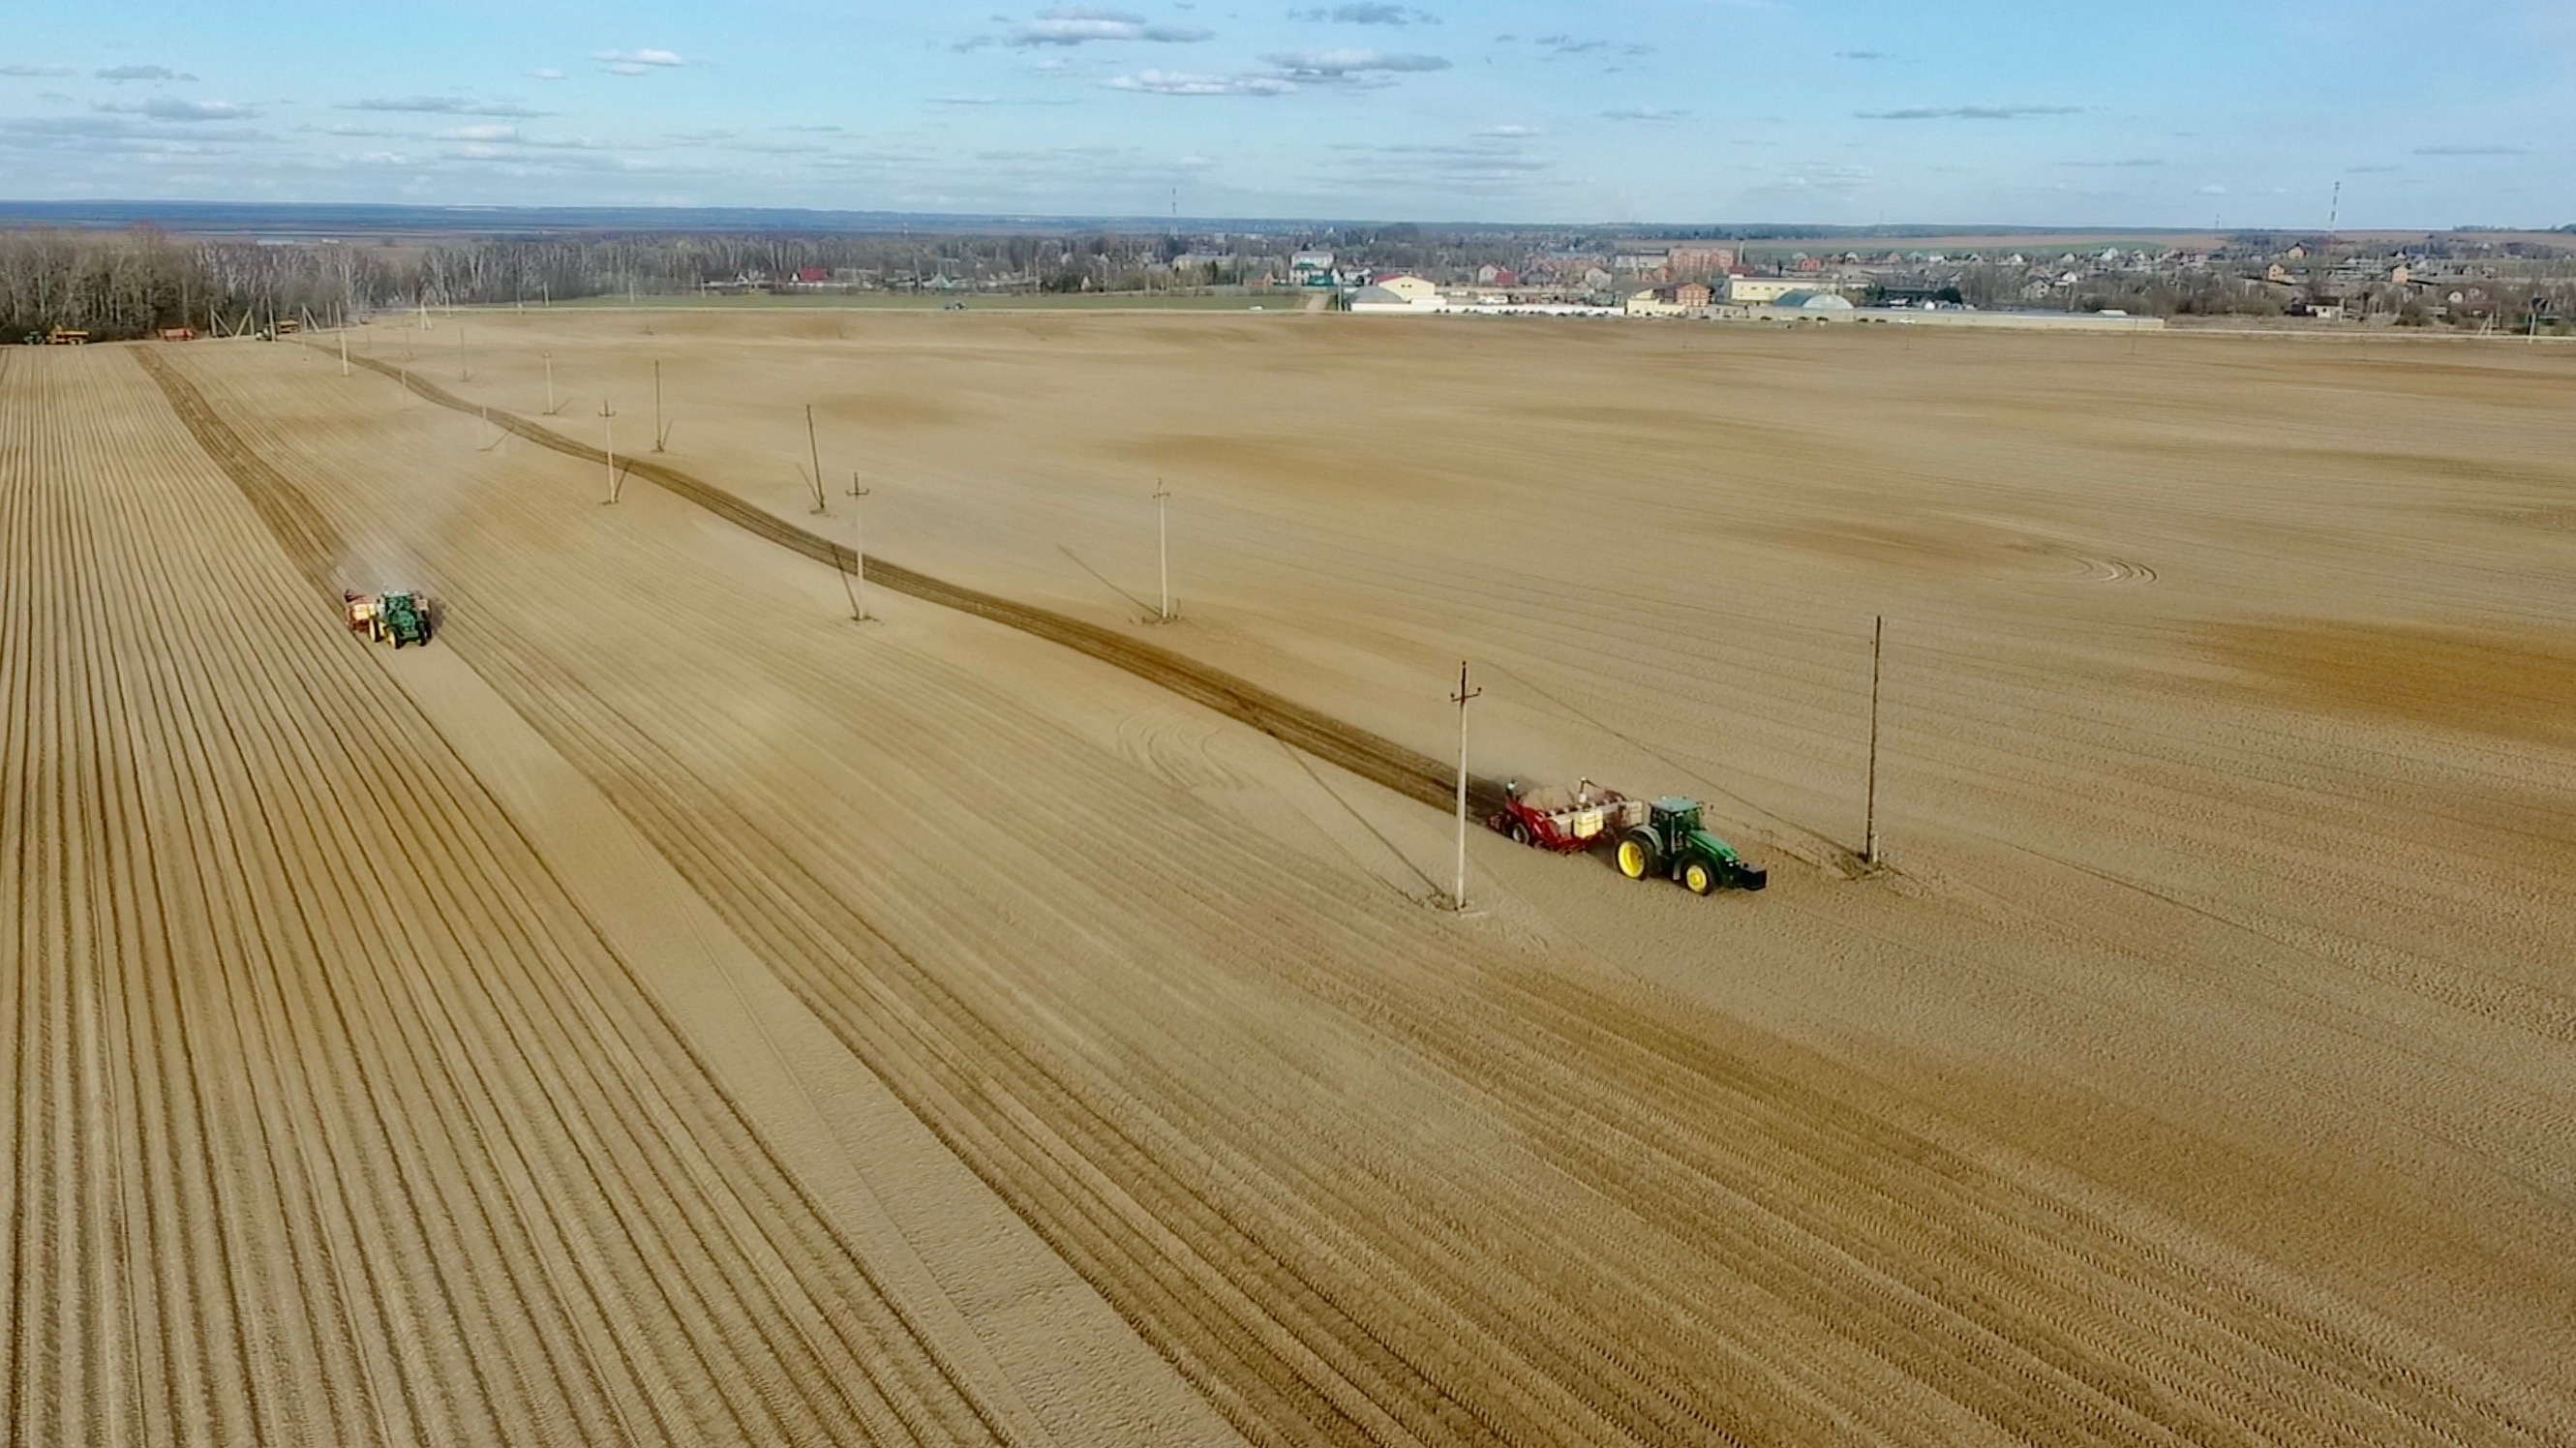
column 664, row 1010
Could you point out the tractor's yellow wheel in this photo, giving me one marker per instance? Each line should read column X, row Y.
column 1632, row 859
column 1696, row 876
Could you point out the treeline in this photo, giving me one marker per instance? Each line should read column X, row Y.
column 117, row 285
column 532, row 270
column 134, row 283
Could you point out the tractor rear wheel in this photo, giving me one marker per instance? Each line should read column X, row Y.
column 1698, row 878
column 1520, row 833
column 1639, row 855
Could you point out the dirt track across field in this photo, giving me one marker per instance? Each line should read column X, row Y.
column 1378, row 760
column 666, row 1011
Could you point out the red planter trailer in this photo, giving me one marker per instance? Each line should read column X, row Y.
column 1567, row 818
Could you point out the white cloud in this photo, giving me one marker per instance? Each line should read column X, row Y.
column 1183, row 83
column 119, row 74
column 488, row 132
column 1509, row 132
column 37, row 70
column 1081, row 25
column 1644, row 113
column 1345, row 63
column 1367, row 13
column 546, row 73
column 171, row 108
column 442, row 106
column 636, row 62
column 1967, row 113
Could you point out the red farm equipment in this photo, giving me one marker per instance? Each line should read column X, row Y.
column 1566, row 818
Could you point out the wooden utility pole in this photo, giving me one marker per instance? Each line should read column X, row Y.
column 460, row 353
column 344, row 351
column 550, row 384
column 406, row 386
column 814, row 451
column 1464, row 697
column 1869, row 830
column 608, row 429
column 657, row 404
column 858, row 574
column 1163, row 544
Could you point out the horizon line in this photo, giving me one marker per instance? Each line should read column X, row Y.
column 94, row 213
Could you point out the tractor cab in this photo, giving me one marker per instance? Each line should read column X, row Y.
column 1674, row 817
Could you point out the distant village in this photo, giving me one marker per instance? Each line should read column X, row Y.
column 68, row 285
column 2456, row 281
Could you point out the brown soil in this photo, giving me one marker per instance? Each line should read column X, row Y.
column 2519, row 686
column 1052, row 1056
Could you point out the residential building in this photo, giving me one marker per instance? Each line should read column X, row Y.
column 1693, row 263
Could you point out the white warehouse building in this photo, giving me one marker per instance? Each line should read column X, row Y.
column 1398, row 294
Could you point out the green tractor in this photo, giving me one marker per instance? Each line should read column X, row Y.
column 405, row 618
column 1671, row 844
column 399, row 618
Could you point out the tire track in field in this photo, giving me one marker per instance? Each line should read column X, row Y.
column 1371, row 756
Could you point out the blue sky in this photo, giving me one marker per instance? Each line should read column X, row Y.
column 2172, row 113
